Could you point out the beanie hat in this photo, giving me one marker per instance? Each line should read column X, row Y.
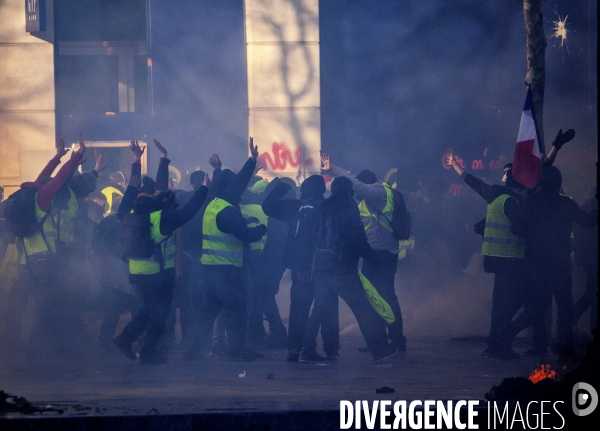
column 341, row 185
column 367, row 177
column 313, row 186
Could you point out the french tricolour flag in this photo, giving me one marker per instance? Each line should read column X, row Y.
column 527, row 163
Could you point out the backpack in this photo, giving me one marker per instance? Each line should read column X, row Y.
column 401, row 220
column 135, row 237
column 328, row 244
column 20, row 213
column 301, row 233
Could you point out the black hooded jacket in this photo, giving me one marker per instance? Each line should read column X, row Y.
column 342, row 212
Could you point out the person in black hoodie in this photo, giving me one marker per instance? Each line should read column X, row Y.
column 298, row 253
column 545, row 221
column 340, row 242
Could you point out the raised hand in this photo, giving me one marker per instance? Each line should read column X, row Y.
column 325, row 161
column 136, row 149
column 215, row 162
column 253, row 148
column 258, row 167
column 81, row 148
column 563, row 138
column 60, row 148
column 205, row 180
column 100, row 164
column 450, row 158
column 162, row 150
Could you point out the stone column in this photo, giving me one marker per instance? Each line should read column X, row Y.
column 27, row 104
column 282, row 46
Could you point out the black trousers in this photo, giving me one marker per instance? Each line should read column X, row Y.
column 543, row 282
column 301, row 299
column 156, row 291
column 222, row 287
column 508, row 297
column 349, row 287
column 382, row 277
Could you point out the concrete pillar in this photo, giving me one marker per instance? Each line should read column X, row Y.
column 27, row 106
column 282, row 46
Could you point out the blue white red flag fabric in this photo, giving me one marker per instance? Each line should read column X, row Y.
column 527, row 162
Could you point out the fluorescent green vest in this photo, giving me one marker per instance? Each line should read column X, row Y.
column 404, row 246
column 35, row 243
column 498, row 240
column 65, row 220
column 254, row 210
column 108, row 192
column 219, row 248
column 386, row 215
column 151, row 265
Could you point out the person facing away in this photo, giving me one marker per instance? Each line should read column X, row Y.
column 340, row 241
column 155, row 276
column 376, row 207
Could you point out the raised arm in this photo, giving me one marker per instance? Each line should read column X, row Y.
column 47, row 192
column 162, row 174
column 135, row 180
column 559, row 141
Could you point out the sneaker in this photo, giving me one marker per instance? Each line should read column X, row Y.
column 293, row 355
column 333, row 357
column 124, row 347
column 385, row 353
column 311, row 357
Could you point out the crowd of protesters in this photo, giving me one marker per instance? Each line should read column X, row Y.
column 218, row 254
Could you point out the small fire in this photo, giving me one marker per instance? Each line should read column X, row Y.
column 543, row 372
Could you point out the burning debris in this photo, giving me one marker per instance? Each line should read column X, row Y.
column 544, row 371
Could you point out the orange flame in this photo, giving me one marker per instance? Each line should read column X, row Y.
column 543, row 372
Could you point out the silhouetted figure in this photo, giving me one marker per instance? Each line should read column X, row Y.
column 503, row 252
column 545, row 221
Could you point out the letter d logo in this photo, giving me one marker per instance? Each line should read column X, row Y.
column 584, row 394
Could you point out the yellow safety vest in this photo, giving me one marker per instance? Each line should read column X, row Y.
column 108, row 192
column 254, row 210
column 498, row 240
column 377, row 302
column 151, row 265
column 65, row 220
column 404, row 246
column 219, row 248
column 35, row 244
column 384, row 217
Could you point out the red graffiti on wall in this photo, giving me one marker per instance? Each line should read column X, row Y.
column 457, row 189
column 280, row 156
column 476, row 164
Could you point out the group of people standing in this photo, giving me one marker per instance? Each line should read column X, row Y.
column 527, row 246
column 219, row 252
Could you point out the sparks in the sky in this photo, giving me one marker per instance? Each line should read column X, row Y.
column 560, row 29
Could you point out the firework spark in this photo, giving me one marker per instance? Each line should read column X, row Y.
column 560, row 29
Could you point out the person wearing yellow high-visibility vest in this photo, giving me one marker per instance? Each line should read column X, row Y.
column 376, row 208
column 38, row 260
column 224, row 232
column 155, row 276
column 503, row 252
